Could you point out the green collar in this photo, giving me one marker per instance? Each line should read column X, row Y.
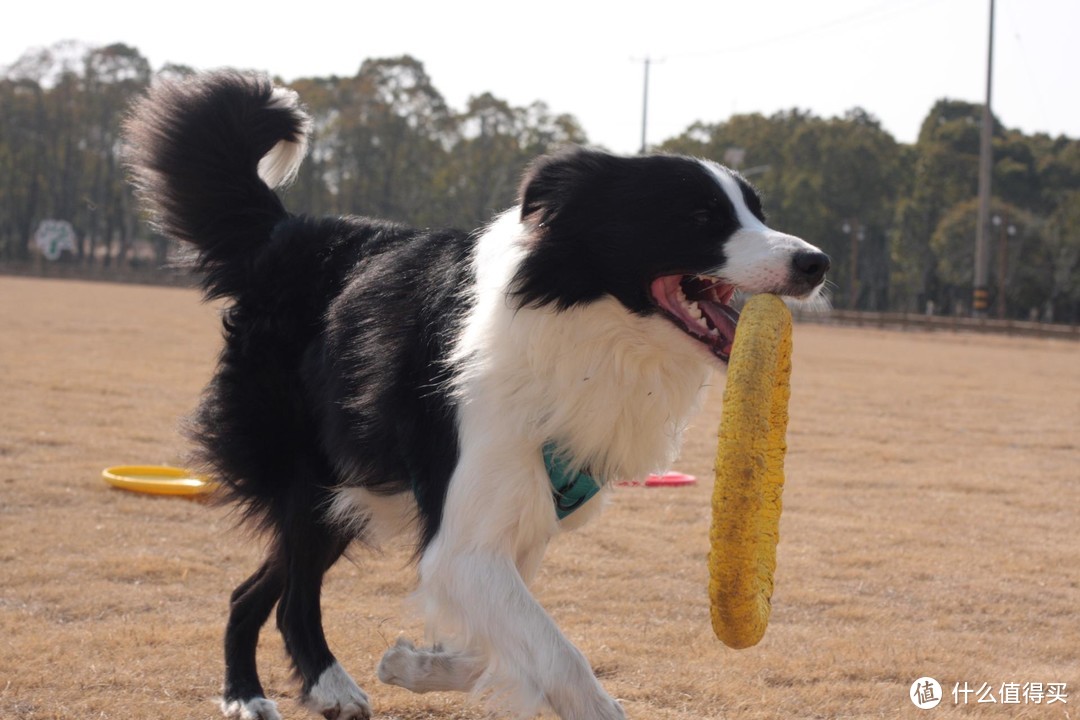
column 569, row 490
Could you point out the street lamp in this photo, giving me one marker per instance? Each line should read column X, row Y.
column 855, row 230
column 1006, row 229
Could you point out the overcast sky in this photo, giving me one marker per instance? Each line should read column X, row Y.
column 712, row 58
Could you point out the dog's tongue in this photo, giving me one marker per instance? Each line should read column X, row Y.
column 724, row 318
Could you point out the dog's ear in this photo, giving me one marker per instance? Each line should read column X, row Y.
column 554, row 183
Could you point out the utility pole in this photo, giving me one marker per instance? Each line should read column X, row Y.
column 647, row 61
column 980, row 297
column 645, row 106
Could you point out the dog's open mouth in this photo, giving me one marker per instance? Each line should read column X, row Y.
column 698, row 305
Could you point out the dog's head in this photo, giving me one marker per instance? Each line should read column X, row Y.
column 663, row 234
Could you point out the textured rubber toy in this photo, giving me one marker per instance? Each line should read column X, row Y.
column 746, row 501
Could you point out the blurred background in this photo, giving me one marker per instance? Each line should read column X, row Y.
column 859, row 122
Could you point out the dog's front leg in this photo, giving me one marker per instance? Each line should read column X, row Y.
column 494, row 528
column 440, row 669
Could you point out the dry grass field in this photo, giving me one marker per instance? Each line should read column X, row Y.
column 931, row 527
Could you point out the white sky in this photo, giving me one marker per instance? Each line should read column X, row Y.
column 714, row 57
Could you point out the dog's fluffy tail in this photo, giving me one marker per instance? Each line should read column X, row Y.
column 205, row 154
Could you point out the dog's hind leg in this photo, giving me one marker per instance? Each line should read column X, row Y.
column 310, row 549
column 243, row 697
column 424, row 670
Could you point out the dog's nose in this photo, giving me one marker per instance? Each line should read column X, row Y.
column 811, row 266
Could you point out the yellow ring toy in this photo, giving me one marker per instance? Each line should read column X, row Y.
column 156, row 479
column 750, row 473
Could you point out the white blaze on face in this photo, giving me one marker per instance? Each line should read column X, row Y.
column 759, row 259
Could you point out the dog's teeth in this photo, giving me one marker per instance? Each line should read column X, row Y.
column 714, row 332
column 695, row 310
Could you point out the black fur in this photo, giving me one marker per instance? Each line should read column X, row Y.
column 335, row 326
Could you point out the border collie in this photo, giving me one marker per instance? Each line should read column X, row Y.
column 477, row 389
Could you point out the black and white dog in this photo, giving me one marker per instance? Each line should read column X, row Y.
column 478, row 389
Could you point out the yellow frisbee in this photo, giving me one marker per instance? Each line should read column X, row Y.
column 156, row 479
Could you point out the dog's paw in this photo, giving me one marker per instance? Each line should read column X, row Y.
column 257, row 708
column 398, row 663
column 422, row 670
column 337, row 697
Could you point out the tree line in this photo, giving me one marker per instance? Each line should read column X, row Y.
column 897, row 219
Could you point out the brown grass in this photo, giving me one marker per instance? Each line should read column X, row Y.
column 930, row 528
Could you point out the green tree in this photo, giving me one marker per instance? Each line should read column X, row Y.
column 898, row 220
column 113, row 77
column 385, row 143
column 1016, row 251
column 494, row 143
column 22, row 161
column 59, row 146
column 945, row 173
column 1062, row 254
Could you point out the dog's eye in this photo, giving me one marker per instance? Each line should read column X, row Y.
column 701, row 217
